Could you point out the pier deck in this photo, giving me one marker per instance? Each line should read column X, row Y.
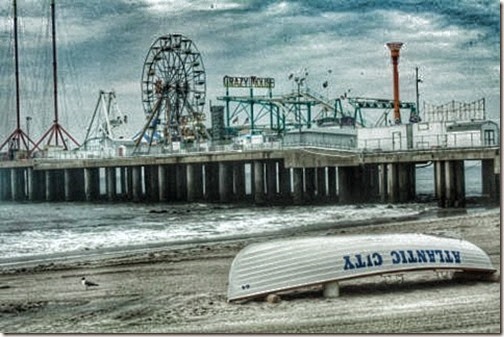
column 299, row 175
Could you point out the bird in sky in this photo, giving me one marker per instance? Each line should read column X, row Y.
column 87, row 283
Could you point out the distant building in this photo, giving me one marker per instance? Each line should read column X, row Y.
column 324, row 137
column 428, row 135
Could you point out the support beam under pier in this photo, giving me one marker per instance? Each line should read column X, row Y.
column 392, row 183
column 36, row 185
column 137, row 191
column 151, row 181
column 74, row 185
column 450, row 183
column 271, row 180
column 259, row 197
column 239, row 181
column 489, row 180
column 194, row 182
column 55, row 188
column 6, row 185
column 297, row 185
column 439, row 183
column 92, row 183
column 212, row 182
column 382, row 182
column 321, row 184
column 284, row 177
column 18, row 181
column 111, row 183
column 310, row 183
column 331, row 183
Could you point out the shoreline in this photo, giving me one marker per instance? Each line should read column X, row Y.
column 183, row 289
column 111, row 252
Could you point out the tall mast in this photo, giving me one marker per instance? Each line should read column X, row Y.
column 55, row 64
column 18, row 137
column 56, row 130
column 16, row 61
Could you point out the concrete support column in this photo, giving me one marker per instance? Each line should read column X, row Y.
column 92, row 183
column 18, row 182
column 331, row 182
column 439, row 182
column 404, row 176
column 123, row 182
column 346, row 184
column 412, row 179
column 151, row 175
column 370, row 182
column 450, row 188
column 129, row 183
column 55, row 190
column 382, row 182
column 309, row 184
column 258, row 182
column 239, row 180
column 489, row 179
column 284, row 176
column 163, row 183
column 225, row 182
column 297, row 181
column 5, row 180
column 194, row 182
column 111, row 183
column 459, row 183
column 171, row 182
column 321, row 183
column 271, row 179
column 36, row 185
column 136, row 176
column 392, row 183
column 181, row 173
column 74, row 185
column 212, row 182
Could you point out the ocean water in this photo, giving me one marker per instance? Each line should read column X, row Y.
column 73, row 228
column 32, row 230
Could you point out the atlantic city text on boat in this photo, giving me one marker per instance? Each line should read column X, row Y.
column 401, row 257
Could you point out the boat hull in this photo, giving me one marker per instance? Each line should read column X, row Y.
column 269, row 267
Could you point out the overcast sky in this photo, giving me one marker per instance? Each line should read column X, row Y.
column 103, row 44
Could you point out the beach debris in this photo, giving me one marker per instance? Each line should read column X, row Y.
column 87, row 284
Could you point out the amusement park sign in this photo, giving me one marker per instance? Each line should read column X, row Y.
column 249, row 82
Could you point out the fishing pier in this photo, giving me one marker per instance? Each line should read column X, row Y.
column 276, row 176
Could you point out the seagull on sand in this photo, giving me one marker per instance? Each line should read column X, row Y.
column 87, row 283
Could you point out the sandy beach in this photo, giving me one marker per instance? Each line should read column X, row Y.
column 182, row 289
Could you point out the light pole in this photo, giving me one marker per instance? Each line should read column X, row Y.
column 28, row 120
column 418, row 80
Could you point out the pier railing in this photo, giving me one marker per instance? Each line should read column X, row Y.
column 383, row 144
column 436, row 141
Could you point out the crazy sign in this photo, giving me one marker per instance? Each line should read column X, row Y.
column 248, row 82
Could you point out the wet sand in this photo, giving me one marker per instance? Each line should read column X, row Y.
column 182, row 289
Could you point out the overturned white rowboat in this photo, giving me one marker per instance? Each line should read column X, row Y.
column 269, row 267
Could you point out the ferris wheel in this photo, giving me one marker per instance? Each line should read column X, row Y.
column 173, row 90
